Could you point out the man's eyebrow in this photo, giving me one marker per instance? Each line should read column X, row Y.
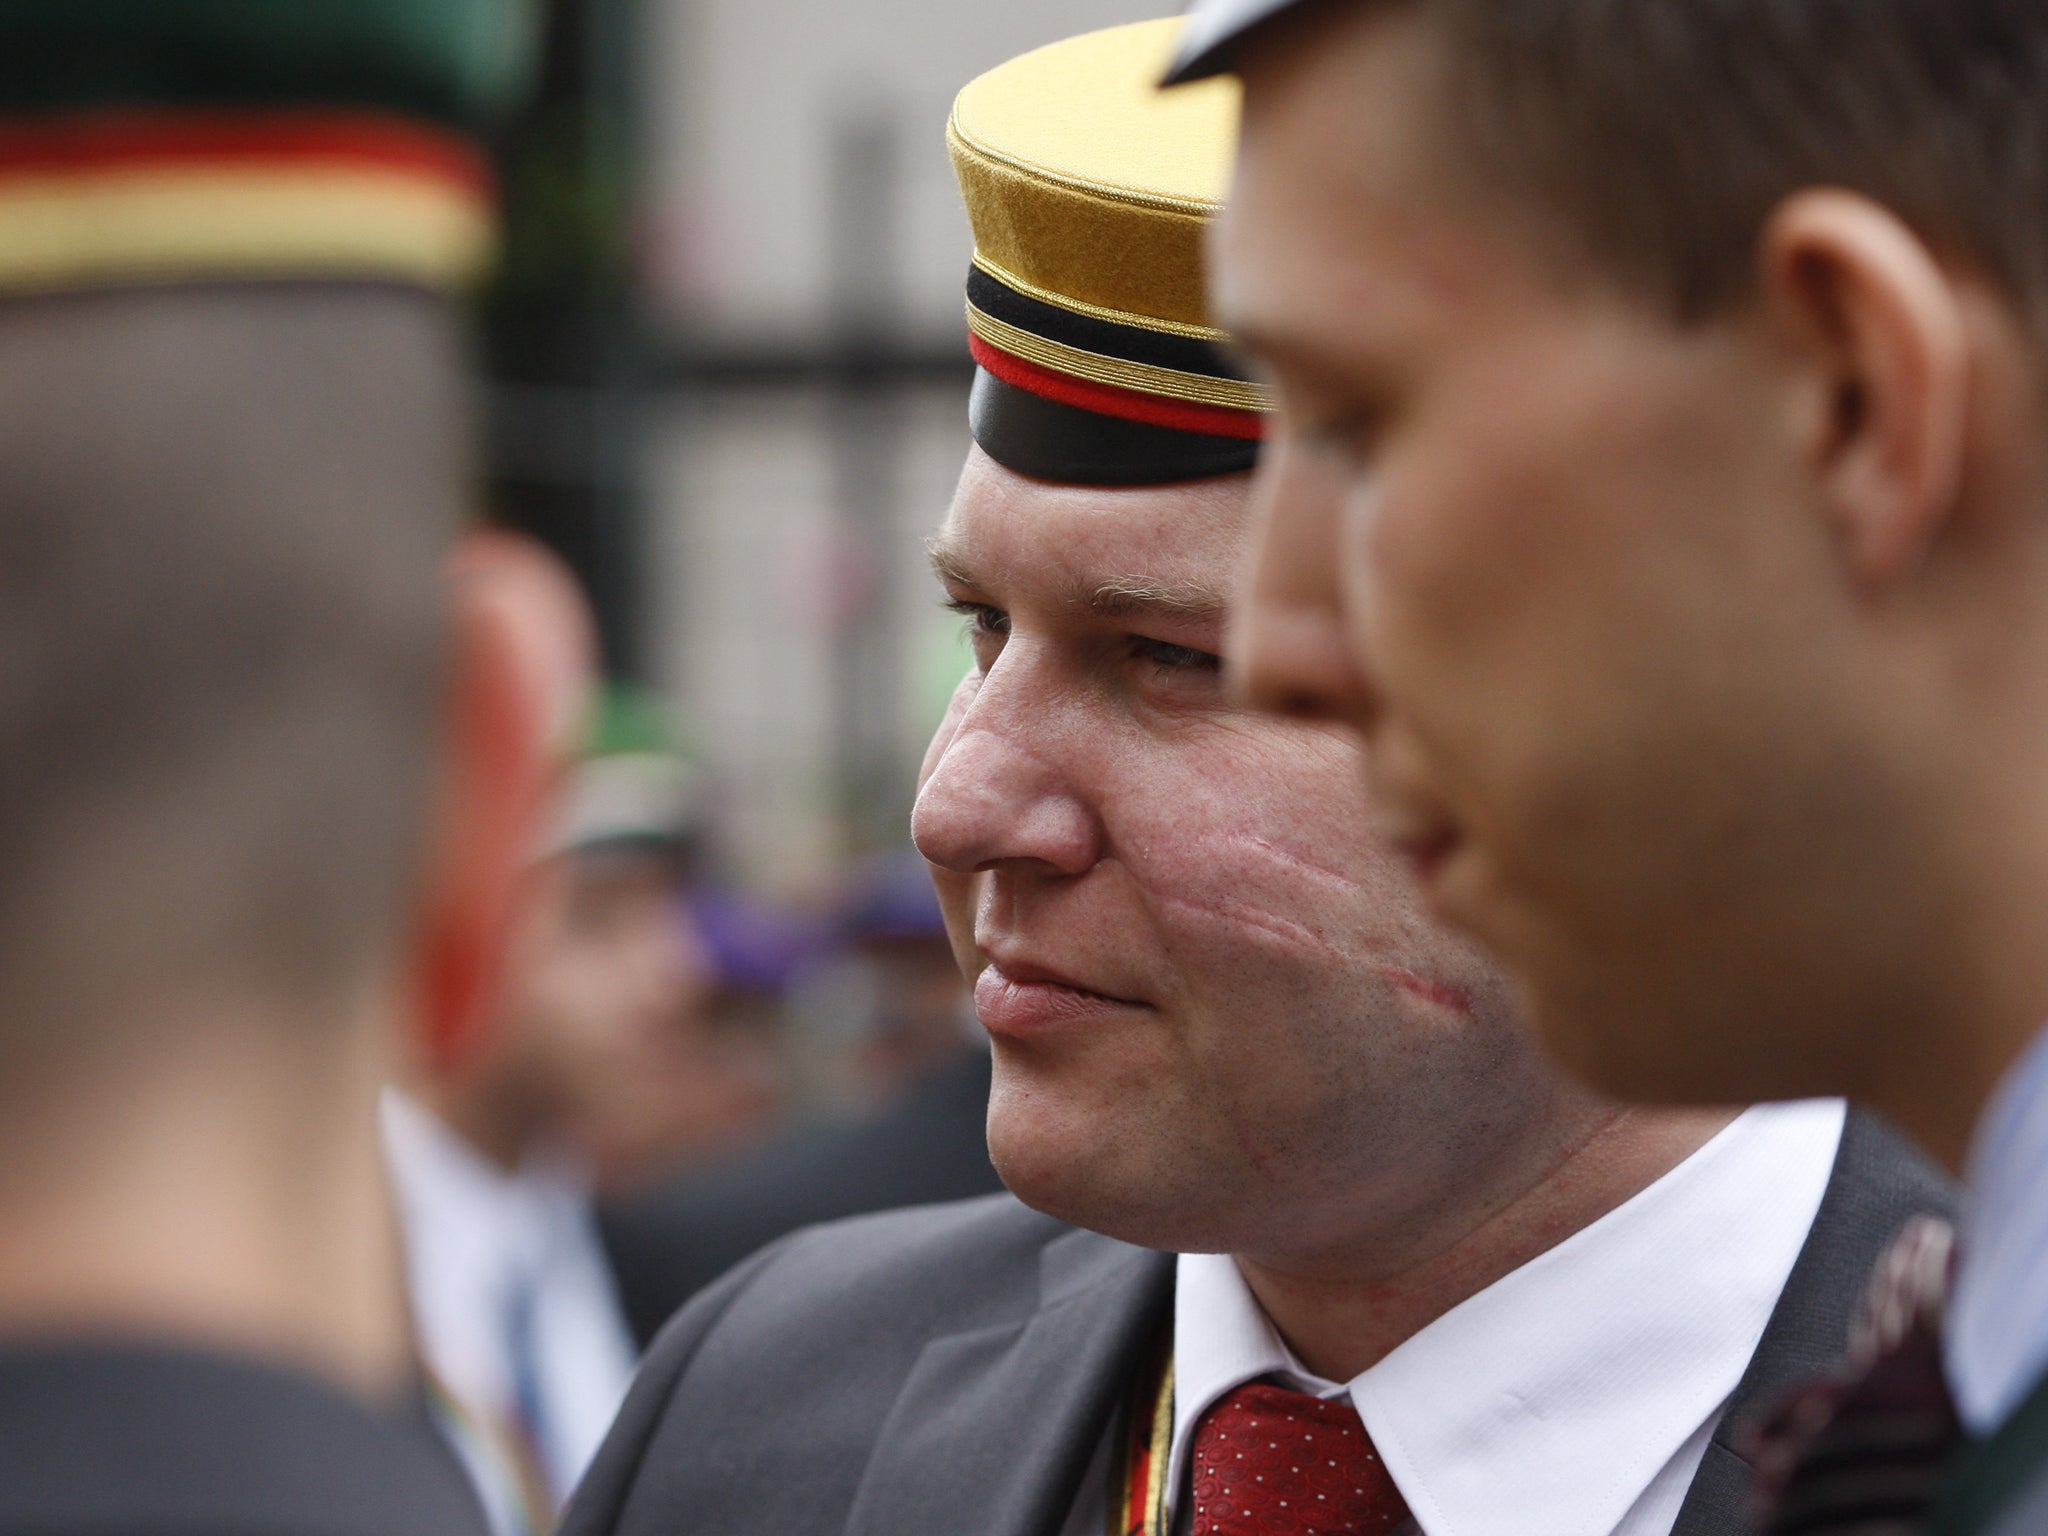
column 949, row 563
column 1122, row 597
column 1130, row 597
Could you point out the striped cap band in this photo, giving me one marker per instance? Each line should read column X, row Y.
column 1092, row 398
column 98, row 198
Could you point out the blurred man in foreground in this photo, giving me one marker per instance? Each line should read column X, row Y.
column 1662, row 488
column 269, row 759
column 1422, row 1283
column 570, row 1089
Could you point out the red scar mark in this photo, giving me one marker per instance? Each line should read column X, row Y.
column 1442, row 993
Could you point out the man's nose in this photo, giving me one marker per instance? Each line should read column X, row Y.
column 1005, row 791
column 1288, row 650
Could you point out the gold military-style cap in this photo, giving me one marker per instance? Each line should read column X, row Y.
column 1089, row 190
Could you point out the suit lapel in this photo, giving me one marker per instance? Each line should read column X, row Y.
column 1877, row 1185
column 994, row 1429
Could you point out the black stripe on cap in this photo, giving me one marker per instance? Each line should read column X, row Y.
column 1134, row 344
column 1048, row 440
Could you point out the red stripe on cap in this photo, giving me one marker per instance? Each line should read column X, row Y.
column 1107, row 400
column 95, row 142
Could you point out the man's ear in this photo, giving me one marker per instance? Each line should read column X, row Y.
column 518, row 693
column 1865, row 298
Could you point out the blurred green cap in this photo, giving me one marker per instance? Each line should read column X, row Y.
column 635, row 784
column 167, row 141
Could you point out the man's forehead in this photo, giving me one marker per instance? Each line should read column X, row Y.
column 1180, row 588
column 1113, row 574
column 1174, row 546
column 1346, row 180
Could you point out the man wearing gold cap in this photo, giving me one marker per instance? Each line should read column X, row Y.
column 1305, row 1237
column 270, row 766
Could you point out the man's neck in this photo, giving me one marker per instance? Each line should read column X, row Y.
column 492, row 1113
column 1988, row 1007
column 228, row 1194
column 1341, row 1319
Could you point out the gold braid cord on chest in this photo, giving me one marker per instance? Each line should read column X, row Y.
column 1137, row 1503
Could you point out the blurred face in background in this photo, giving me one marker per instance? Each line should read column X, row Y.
column 1220, row 1019
column 603, row 1047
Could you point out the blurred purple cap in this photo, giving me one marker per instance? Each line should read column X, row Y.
column 755, row 947
column 890, row 897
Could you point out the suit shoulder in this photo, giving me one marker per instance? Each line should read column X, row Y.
column 974, row 1261
column 899, row 1275
column 759, row 1404
column 986, row 1225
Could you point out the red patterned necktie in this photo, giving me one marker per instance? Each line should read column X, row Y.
column 1270, row 1462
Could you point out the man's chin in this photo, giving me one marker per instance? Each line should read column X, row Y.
column 1047, row 1174
column 1102, row 1186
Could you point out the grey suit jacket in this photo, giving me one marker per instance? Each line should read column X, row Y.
column 950, row 1370
column 668, row 1244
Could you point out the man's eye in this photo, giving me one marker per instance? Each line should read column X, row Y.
column 1179, row 658
column 983, row 621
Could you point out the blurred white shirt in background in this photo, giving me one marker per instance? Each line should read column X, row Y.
column 526, row 1350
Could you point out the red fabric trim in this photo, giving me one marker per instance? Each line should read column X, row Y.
column 89, row 143
column 1106, row 400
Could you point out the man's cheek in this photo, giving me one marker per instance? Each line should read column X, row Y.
column 959, row 896
column 1250, row 892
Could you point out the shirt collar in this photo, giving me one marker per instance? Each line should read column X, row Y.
column 1997, row 1334
column 1576, row 1378
column 476, row 1236
column 476, row 1215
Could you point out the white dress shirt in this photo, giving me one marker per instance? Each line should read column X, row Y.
column 1996, row 1341
column 1574, row 1396
column 516, row 1311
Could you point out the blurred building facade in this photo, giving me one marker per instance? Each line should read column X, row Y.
column 799, row 255
column 727, row 380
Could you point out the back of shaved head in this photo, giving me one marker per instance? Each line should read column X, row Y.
column 222, row 515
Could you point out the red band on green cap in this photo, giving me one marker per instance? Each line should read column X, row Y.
column 152, row 140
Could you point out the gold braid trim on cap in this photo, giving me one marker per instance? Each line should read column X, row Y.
column 1208, row 333
column 1144, row 378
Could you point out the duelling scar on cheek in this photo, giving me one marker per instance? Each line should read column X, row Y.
column 1243, row 919
column 1250, row 885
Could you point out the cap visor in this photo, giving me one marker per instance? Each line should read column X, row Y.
column 1213, row 31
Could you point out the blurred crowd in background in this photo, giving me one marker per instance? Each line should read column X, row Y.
column 726, row 382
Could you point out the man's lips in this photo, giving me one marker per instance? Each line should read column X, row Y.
column 1012, row 998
